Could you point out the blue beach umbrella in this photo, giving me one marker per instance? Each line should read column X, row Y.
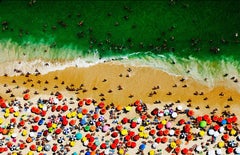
column 142, row 147
column 78, row 136
column 224, row 122
column 74, row 153
column 83, row 122
column 87, row 153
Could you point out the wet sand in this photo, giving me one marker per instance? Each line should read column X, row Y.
column 121, row 84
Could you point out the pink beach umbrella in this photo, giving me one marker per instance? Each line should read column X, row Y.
column 105, row 128
column 168, row 125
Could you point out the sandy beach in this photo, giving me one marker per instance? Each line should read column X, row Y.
column 117, row 84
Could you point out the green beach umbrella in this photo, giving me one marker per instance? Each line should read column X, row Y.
column 203, row 124
column 87, row 128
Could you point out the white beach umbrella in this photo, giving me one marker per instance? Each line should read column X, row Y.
column 55, row 100
column 238, row 138
column 199, row 148
column 106, row 151
column 211, row 152
column 44, row 107
column 179, row 107
column 211, row 132
column 31, row 134
column 171, row 132
column 15, row 108
column 237, row 150
column 216, row 134
column 14, row 135
column 154, row 145
column 1, row 136
column 218, row 151
column 174, row 115
column 221, row 129
column 49, row 138
column 160, row 114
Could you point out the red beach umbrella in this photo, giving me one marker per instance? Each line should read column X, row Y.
column 158, row 140
column 101, row 105
column 64, row 108
column 164, row 139
column 159, row 126
column 103, row 146
column 35, row 128
column 84, row 111
column 114, row 134
column 166, row 132
column 234, row 119
column 33, row 147
column 177, row 150
column 155, row 111
column 26, row 97
column 91, row 139
column 184, row 151
column 199, row 119
column 36, row 119
column 229, row 127
column 177, row 132
column 143, row 117
column 43, row 113
column 54, row 148
column 206, row 117
column 124, row 120
column 229, row 150
column 225, row 137
column 94, row 147
column 119, row 127
column 133, row 124
column 127, row 138
column 65, row 122
column 72, row 122
column 60, row 97
column 214, row 118
column 216, row 127
column 189, row 137
column 22, row 146
column 13, row 120
column 136, row 137
column 116, row 141
column 137, row 103
column 80, row 103
column 128, row 144
column 88, row 101
column 103, row 111
column 131, row 133
column 113, row 146
column 229, row 120
column 58, row 131
column 133, row 144
column 160, row 133
column 53, row 108
column 190, row 113
column 139, row 108
column 59, row 107
column 181, row 122
column 22, row 123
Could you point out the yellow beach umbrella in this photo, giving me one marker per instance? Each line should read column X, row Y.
column 164, row 122
column 1, row 120
column 145, row 135
column 233, row 132
column 173, row 145
column 151, row 152
column 141, row 134
column 72, row 143
column 84, row 139
column 6, row 115
column 39, row 148
column 24, row 132
column 16, row 114
column 221, row 144
column 69, row 115
column 80, row 115
column 120, row 151
column 30, row 153
column 141, row 128
column 201, row 133
column 74, row 113
column 128, row 108
column 124, row 132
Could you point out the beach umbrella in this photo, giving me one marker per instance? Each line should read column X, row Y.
column 54, row 148
column 124, row 120
column 238, row 137
column 103, row 111
column 229, row 127
column 159, row 126
column 174, row 115
column 203, row 124
column 33, row 147
column 105, row 128
column 59, row 97
column 101, row 105
column 32, row 134
column 87, row 128
column 177, row 150
column 139, row 108
column 14, row 135
column 168, row 125
column 201, row 133
column 136, row 137
column 221, row 129
column 211, row 132
column 128, row 108
column 190, row 113
column 171, row 132
column 181, row 122
column 179, row 107
column 224, row 122
column 124, row 132
column 58, row 131
column 103, row 146
column 133, row 124
column 121, row 151
column 154, row 145
column 158, row 140
column 142, row 147
column 233, row 132
column 218, row 151
column 26, row 97
column 173, row 145
column 133, row 144
column 164, row 139
column 234, row 119
column 184, row 151
column 211, row 152
column 64, row 108
column 49, row 138
column 216, row 127
column 225, row 137
column 237, row 150
column 199, row 148
column 152, row 132
column 155, row 111
column 229, row 150
column 83, row 122
column 216, row 134
column 221, row 144
column 113, row 146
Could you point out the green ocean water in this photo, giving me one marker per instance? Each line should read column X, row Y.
column 204, row 30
